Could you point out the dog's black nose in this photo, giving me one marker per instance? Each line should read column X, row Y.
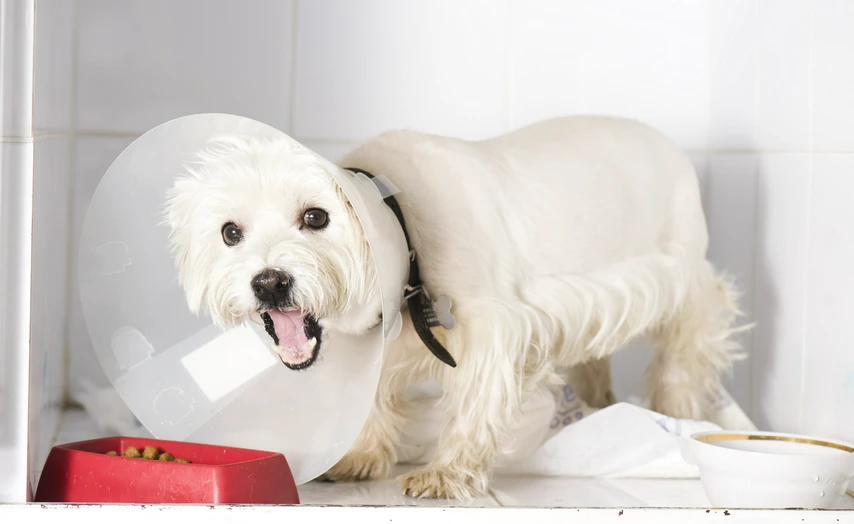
column 272, row 287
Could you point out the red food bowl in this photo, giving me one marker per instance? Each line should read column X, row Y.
column 81, row 472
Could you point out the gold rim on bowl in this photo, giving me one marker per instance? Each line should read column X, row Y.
column 717, row 437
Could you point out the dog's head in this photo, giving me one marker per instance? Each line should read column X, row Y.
column 260, row 230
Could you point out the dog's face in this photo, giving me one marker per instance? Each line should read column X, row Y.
column 260, row 230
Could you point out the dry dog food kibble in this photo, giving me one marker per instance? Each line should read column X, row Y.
column 149, row 453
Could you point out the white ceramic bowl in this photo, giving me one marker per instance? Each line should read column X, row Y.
column 770, row 470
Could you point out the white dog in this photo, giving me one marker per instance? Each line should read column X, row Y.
column 558, row 244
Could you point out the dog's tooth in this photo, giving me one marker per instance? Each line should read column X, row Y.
column 312, row 342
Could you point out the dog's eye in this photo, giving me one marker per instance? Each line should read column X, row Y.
column 315, row 218
column 231, row 234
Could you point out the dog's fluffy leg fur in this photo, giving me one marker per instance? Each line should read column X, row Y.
column 694, row 348
column 482, row 395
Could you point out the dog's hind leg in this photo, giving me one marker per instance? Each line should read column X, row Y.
column 591, row 381
column 694, row 347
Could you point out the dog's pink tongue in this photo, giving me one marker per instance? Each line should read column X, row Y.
column 294, row 346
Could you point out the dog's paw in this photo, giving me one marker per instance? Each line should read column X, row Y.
column 357, row 465
column 442, row 483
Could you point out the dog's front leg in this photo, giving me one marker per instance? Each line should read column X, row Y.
column 481, row 396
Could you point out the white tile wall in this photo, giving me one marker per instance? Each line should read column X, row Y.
column 143, row 62
column 613, row 57
column 54, row 66
column 829, row 357
column 782, row 94
column 750, row 87
column 780, row 294
column 761, row 74
column 332, row 151
column 732, row 74
column 16, row 65
column 833, row 76
column 49, row 306
column 364, row 67
column 545, row 74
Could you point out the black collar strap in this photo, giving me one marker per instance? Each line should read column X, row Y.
column 420, row 305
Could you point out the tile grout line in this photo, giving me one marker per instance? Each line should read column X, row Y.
column 754, row 291
column 35, row 138
column 72, row 174
column 102, row 133
column 754, row 10
column 30, row 447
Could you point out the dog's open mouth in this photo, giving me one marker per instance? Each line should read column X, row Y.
column 296, row 336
